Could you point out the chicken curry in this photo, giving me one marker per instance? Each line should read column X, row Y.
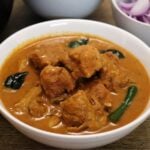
column 74, row 84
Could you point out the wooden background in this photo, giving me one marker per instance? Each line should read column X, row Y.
column 11, row 139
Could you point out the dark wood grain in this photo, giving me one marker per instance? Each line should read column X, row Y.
column 11, row 139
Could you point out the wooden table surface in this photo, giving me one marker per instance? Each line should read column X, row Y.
column 11, row 139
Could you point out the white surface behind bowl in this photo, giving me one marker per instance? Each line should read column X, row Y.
column 63, row 8
column 114, row 34
column 140, row 29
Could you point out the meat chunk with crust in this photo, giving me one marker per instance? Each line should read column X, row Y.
column 37, row 108
column 75, row 109
column 113, row 75
column 78, row 113
column 47, row 56
column 32, row 103
column 84, row 61
column 22, row 105
column 56, row 81
column 98, row 92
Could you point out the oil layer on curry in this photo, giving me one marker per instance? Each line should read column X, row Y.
column 74, row 84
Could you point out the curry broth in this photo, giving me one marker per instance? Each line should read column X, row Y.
column 18, row 61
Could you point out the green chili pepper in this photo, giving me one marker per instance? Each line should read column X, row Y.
column 117, row 114
column 74, row 44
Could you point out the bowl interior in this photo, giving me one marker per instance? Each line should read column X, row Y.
column 114, row 34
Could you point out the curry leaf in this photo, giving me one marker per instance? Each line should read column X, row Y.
column 119, row 54
column 74, row 44
column 16, row 80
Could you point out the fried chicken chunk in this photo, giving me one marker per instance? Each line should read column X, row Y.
column 47, row 56
column 97, row 91
column 32, row 103
column 78, row 113
column 84, row 61
column 75, row 109
column 56, row 81
column 113, row 75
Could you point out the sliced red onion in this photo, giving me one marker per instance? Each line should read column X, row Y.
column 137, row 9
column 148, row 14
column 126, row 11
column 140, row 8
column 126, row 5
column 146, row 19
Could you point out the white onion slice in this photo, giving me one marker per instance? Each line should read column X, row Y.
column 140, row 8
column 126, row 5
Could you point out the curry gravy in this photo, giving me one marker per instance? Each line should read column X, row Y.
column 18, row 61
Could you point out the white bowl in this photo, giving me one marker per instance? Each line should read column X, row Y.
column 63, row 8
column 112, row 33
column 140, row 29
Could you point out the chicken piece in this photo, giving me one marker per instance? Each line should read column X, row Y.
column 84, row 61
column 32, row 103
column 98, row 92
column 38, row 59
column 47, row 56
column 56, row 81
column 37, row 108
column 113, row 75
column 96, row 120
column 22, row 106
column 75, row 108
column 78, row 113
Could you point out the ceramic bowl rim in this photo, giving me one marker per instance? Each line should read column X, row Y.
column 10, row 117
